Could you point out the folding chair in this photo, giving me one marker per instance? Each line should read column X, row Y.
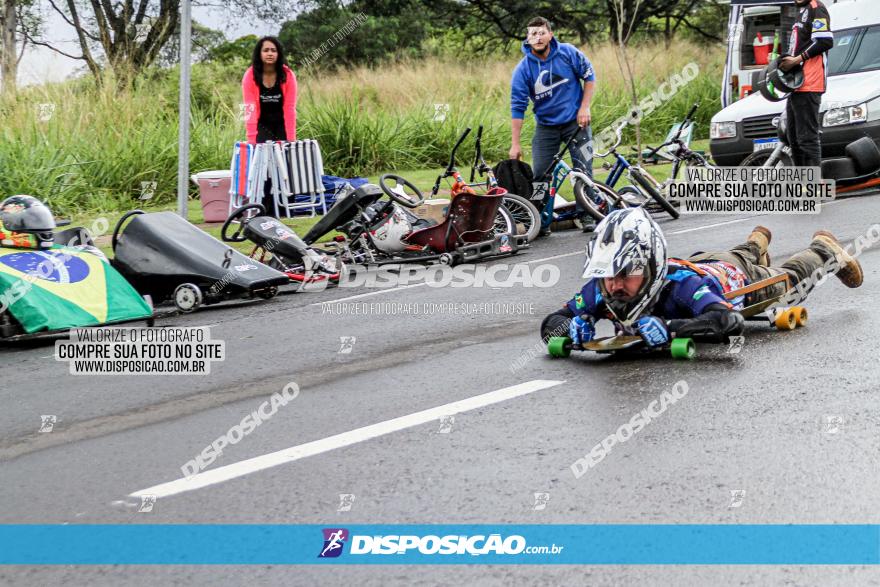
column 242, row 159
column 304, row 167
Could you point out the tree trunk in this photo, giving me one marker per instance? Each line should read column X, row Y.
column 8, row 57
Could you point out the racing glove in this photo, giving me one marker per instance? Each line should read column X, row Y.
column 653, row 330
column 581, row 329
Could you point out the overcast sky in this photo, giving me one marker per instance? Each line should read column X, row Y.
column 41, row 64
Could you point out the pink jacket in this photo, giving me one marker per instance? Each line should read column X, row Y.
column 251, row 94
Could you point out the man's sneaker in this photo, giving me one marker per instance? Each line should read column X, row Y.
column 544, row 231
column 850, row 271
column 761, row 236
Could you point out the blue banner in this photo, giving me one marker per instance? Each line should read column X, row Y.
column 441, row 544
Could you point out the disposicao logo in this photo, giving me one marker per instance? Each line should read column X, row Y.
column 334, row 540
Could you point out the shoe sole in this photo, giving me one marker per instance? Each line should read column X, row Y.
column 850, row 271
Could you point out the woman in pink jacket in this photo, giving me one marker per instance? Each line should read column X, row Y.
column 269, row 92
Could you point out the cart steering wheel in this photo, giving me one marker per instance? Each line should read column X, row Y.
column 398, row 193
column 237, row 237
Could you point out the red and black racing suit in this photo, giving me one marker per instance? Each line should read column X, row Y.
column 811, row 38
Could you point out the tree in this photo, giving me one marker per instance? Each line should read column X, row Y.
column 362, row 32
column 129, row 35
column 19, row 20
column 625, row 16
column 204, row 41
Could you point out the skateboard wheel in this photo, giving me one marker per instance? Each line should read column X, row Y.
column 559, row 346
column 786, row 320
column 800, row 315
column 683, row 348
column 188, row 297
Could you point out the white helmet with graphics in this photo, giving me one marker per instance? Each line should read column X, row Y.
column 628, row 243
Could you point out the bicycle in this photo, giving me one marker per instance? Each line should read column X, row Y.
column 595, row 198
column 524, row 213
column 643, row 183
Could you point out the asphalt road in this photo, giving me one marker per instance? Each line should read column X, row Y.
column 789, row 424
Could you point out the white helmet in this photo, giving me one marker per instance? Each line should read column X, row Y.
column 389, row 233
column 628, row 242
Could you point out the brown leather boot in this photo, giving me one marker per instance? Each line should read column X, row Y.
column 850, row 271
column 761, row 236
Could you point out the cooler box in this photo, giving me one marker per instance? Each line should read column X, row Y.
column 214, row 193
column 762, row 47
column 435, row 209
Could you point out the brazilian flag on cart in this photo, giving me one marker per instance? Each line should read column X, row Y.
column 63, row 287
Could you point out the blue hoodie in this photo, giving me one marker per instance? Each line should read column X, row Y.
column 552, row 84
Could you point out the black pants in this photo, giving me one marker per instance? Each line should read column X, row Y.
column 803, row 128
column 270, row 131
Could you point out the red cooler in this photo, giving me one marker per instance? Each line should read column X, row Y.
column 214, row 193
column 762, row 48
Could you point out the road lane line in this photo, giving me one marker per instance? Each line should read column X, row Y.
column 372, row 293
column 294, row 453
column 714, row 225
column 555, row 257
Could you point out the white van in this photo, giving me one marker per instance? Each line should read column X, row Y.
column 850, row 107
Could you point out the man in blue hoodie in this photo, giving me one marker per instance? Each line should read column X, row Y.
column 550, row 75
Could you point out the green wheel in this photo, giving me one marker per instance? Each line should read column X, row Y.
column 683, row 348
column 559, row 346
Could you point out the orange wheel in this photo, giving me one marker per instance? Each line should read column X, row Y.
column 800, row 315
column 786, row 320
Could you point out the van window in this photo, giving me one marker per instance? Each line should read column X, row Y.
column 867, row 56
column 855, row 50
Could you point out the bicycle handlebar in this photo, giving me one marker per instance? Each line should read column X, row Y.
column 464, row 135
column 478, row 153
column 619, row 135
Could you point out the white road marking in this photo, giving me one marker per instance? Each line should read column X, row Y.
column 372, row 293
column 294, row 453
column 713, row 225
column 555, row 257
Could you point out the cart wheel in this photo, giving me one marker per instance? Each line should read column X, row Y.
column 187, row 297
column 447, row 259
column 559, row 346
column 786, row 320
column 267, row 293
column 800, row 315
column 683, row 348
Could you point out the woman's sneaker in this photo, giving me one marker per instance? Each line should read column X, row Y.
column 850, row 271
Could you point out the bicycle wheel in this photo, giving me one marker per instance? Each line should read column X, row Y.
column 504, row 222
column 760, row 159
column 617, row 199
column 582, row 197
column 525, row 216
column 650, row 189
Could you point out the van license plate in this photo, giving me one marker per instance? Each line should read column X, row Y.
column 764, row 144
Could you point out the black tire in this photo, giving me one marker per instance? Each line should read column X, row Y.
column 504, row 223
column 586, row 202
column 865, row 154
column 649, row 189
column 759, row 158
column 839, row 168
column 524, row 213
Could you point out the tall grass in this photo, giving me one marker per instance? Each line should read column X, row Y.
column 97, row 146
